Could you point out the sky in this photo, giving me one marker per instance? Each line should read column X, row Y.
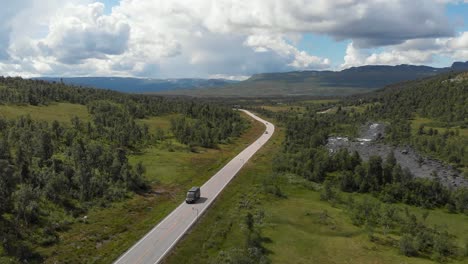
column 230, row 39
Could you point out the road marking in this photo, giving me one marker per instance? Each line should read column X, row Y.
column 148, row 234
column 216, row 183
column 164, row 235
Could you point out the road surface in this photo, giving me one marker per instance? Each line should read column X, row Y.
column 161, row 239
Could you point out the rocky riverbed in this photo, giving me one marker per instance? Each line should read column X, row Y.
column 368, row 145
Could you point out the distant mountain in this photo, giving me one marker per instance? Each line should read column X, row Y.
column 354, row 80
column 322, row 83
column 360, row 77
column 460, row 66
column 140, row 85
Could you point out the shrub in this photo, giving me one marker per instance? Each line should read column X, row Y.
column 408, row 246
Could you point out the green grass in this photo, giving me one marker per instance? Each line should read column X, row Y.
column 283, row 108
column 358, row 109
column 299, row 106
column 430, row 123
column 179, row 166
column 110, row 231
column 155, row 122
column 299, row 235
column 321, row 101
column 293, row 229
column 62, row 112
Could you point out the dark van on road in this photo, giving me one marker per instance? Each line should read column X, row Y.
column 193, row 195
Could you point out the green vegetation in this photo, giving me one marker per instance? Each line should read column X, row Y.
column 435, row 108
column 296, row 225
column 303, row 228
column 170, row 169
column 306, row 205
column 321, row 101
column 53, row 174
column 441, row 140
column 304, row 155
column 282, row 108
column 130, row 161
column 61, row 112
column 156, row 123
column 207, row 126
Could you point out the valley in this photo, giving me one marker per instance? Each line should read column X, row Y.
column 293, row 194
column 234, row 132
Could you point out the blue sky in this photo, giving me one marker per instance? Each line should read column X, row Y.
column 109, row 4
column 324, row 45
column 226, row 38
column 458, row 13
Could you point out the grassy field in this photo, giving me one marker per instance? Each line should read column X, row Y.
column 358, row 109
column 293, row 229
column 429, row 123
column 321, row 101
column 300, row 106
column 282, row 108
column 299, row 234
column 172, row 169
column 155, row 122
column 62, row 112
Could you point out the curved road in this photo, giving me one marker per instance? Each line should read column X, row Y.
column 161, row 239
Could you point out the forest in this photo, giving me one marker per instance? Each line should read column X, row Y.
column 52, row 173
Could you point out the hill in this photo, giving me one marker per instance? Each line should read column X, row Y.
column 354, row 80
column 139, row 85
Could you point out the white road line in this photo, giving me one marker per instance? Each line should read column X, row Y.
column 153, row 240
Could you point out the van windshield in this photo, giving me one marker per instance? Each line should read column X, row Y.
column 190, row 194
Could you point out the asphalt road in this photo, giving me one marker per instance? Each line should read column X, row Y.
column 161, row 239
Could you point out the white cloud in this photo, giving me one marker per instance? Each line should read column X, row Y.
column 417, row 51
column 459, row 43
column 229, row 77
column 452, row 1
column 201, row 38
column 368, row 22
column 353, row 57
column 277, row 44
column 82, row 32
column 390, row 56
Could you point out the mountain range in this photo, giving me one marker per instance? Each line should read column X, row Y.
column 350, row 81
column 297, row 83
